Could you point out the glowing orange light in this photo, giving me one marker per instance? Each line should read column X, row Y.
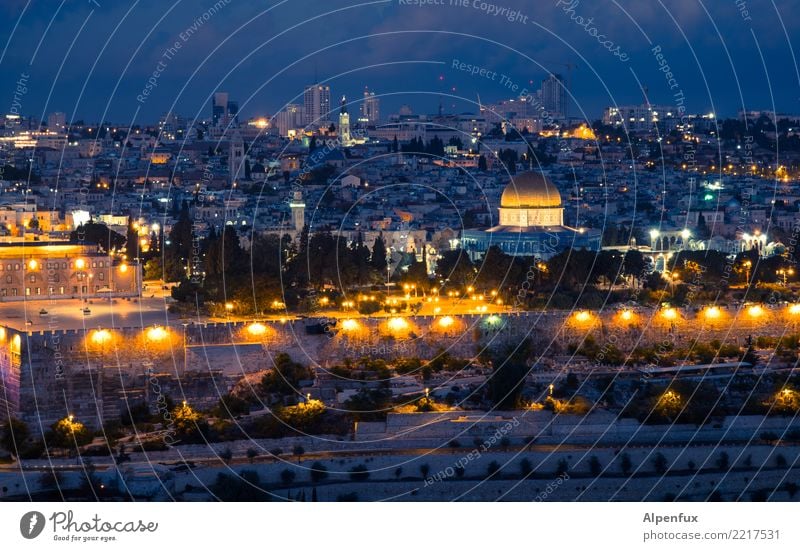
column 446, row 322
column 670, row 313
column 101, row 336
column 157, row 334
column 397, row 324
column 713, row 312
column 80, row 264
column 755, row 311
column 583, row 316
column 626, row 315
column 256, row 329
column 349, row 325
column 32, row 265
column 123, row 268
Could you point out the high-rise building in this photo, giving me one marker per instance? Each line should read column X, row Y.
column 57, row 122
column 224, row 111
column 317, row 105
column 370, row 109
column 219, row 107
column 290, row 118
column 554, row 96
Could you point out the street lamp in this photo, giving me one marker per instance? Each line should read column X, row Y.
column 747, row 265
column 785, row 272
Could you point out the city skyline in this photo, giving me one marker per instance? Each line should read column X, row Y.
column 55, row 76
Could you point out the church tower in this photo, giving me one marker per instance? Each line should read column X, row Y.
column 236, row 158
column 344, row 125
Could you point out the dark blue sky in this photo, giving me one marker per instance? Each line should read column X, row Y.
column 92, row 58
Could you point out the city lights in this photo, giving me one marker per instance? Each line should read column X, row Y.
column 80, row 264
column 157, row 334
column 32, row 264
column 446, row 322
column 101, row 336
column 257, row 329
column 626, row 315
column 397, row 324
column 712, row 312
column 350, row 325
column 669, row 313
column 755, row 311
column 583, row 316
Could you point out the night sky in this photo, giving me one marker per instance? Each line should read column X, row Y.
column 91, row 59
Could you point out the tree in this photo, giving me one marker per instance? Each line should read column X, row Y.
column 456, row 267
column 508, row 377
column 132, row 240
column 68, row 433
column 13, row 435
column 187, row 423
column 595, row 467
column 625, row 464
column 424, row 469
column 482, row 166
column 244, row 487
column 287, row 476
column 660, row 463
column 378, row 258
column 359, row 473
column 99, row 234
column 319, row 472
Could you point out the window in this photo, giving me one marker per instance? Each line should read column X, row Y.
column 61, row 290
column 14, row 292
column 8, row 279
column 3, row 292
column 38, row 291
column 101, row 276
column 27, row 291
column 32, row 278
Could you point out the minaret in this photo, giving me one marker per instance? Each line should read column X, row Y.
column 298, row 207
column 344, row 125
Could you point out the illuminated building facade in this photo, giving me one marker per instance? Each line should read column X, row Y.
column 63, row 270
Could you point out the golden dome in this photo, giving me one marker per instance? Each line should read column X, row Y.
column 530, row 190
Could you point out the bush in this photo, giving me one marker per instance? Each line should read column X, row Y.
column 359, row 473
column 319, row 472
column 287, row 476
column 595, row 467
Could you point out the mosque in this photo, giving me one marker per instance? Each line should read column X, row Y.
column 531, row 223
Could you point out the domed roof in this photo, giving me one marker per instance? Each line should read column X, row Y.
column 530, row 190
